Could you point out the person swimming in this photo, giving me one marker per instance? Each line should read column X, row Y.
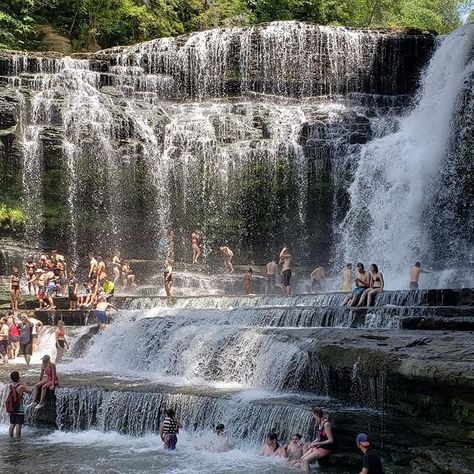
column 294, row 450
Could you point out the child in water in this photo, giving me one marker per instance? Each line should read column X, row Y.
column 169, row 430
column 294, row 449
column 271, row 446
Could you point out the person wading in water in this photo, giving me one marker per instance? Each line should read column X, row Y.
column 169, row 430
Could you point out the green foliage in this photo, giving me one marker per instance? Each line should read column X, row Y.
column 11, row 216
column 93, row 24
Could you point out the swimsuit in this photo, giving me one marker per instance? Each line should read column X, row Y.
column 101, row 316
column 170, row 431
column 286, row 277
column 413, row 285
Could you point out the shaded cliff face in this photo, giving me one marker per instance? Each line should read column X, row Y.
column 250, row 135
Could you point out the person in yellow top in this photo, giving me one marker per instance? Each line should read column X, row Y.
column 347, row 278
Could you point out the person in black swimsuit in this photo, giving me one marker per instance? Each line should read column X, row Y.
column 14, row 288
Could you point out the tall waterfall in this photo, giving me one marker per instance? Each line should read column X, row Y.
column 398, row 178
column 249, row 134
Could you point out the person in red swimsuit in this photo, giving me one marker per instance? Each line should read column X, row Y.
column 195, row 244
column 48, row 379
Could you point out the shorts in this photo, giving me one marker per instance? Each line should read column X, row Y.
column 50, row 289
column 286, row 277
column 316, row 284
column 101, row 316
column 17, row 418
column 14, row 339
column 93, row 276
column 323, row 452
column 26, row 349
column 72, row 296
column 170, row 441
column 413, row 285
column 61, row 343
column 270, row 280
column 358, row 291
column 3, row 346
column 41, row 292
column 347, row 286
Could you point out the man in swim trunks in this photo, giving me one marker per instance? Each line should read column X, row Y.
column 363, row 280
column 101, row 270
column 415, row 272
column 100, row 312
column 317, row 277
column 17, row 418
column 286, row 261
column 93, row 264
column 228, row 256
column 271, row 271
column 347, row 278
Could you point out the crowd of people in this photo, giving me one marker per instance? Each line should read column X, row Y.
column 48, row 277
column 298, row 452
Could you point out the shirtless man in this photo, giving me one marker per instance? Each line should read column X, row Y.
column 415, row 275
column 30, row 269
column 17, row 418
column 363, row 280
column 317, row 277
column 101, row 270
column 35, row 332
column 271, row 271
column 93, row 264
column 100, row 312
column 347, row 278
column 228, row 256
column 195, row 244
column 116, row 265
column 286, row 261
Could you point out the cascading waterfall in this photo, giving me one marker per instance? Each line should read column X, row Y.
column 394, row 184
column 217, row 130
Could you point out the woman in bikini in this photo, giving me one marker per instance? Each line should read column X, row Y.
column 376, row 286
column 61, row 343
column 30, row 269
column 14, row 288
column 322, row 445
column 195, row 244
column 48, row 379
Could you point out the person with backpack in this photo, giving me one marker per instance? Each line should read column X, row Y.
column 14, row 404
column 169, row 430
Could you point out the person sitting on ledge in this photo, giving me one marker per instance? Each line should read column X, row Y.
column 271, row 446
column 371, row 463
column 376, row 286
column 48, row 379
column 322, row 445
column 362, row 282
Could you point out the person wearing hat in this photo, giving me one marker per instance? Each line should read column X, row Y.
column 371, row 462
column 48, row 379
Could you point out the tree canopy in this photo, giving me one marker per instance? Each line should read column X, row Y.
column 89, row 25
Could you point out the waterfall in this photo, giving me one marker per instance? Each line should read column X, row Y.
column 389, row 220
column 224, row 129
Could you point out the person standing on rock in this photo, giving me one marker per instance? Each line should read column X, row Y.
column 168, row 278
column 61, row 343
column 347, row 278
column 116, row 266
column 14, row 288
column 93, row 264
column 101, row 271
column 26, row 327
column 247, row 281
column 317, row 277
column 17, row 416
column 35, row 332
column 228, row 256
column 415, row 272
column 4, row 332
column 30, row 269
column 271, row 271
column 196, row 246
column 286, row 261
column 371, row 462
